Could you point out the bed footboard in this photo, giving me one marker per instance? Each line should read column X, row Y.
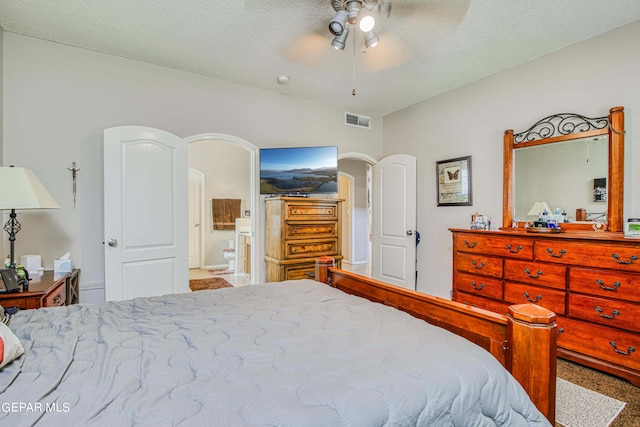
column 524, row 340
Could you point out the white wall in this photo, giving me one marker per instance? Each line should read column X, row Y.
column 588, row 78
column 58, row 100
column 1, row 94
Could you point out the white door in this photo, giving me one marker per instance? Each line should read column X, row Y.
column 394, row 221
column 195, row 217
column 145, row 213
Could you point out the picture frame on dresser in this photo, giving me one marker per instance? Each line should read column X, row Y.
column 453, row 181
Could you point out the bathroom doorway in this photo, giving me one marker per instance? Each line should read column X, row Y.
column 225, row 164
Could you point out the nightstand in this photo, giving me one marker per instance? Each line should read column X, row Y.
column 48, row 290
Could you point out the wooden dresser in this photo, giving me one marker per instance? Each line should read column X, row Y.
column 298, row 230
column 590, row 280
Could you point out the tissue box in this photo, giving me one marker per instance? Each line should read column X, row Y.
column 31, row 263
column 62, row 266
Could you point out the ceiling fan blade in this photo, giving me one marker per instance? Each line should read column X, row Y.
column 308, row 49
column 389, row 53
column 445, row 11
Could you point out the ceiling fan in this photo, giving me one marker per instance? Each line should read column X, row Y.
column 401, row 28
column 350, row 12
column 362, row 14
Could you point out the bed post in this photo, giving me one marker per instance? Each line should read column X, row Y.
column 322, row 268
column 531, row 357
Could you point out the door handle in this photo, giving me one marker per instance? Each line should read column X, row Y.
column 113, row 243
column 409, row 232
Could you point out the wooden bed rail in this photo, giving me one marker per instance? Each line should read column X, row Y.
column 524, row 340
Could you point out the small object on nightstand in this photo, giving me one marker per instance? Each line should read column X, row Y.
column 62, row 264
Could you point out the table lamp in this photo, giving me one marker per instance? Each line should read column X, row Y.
column 21, row 189
column 539, row 208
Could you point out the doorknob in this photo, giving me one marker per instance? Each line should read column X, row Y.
column 409, row 232
column 113, row 243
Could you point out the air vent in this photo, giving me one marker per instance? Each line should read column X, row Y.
column 357, row 120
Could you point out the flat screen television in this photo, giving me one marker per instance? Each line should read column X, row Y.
column 299, row 170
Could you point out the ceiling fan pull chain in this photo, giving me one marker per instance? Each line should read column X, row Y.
column 353, row 89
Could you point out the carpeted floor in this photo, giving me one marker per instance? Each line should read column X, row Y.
column 209, row 283
column 608, row 385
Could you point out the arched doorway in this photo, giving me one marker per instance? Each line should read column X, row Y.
column 355, row 171
column 229, row 153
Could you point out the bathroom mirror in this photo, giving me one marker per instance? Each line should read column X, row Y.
column 568, row 161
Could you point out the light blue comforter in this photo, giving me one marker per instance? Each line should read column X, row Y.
column 295, row 353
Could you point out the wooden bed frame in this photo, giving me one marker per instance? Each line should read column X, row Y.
column 524, row 340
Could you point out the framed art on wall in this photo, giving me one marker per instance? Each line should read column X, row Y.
column 453, row 178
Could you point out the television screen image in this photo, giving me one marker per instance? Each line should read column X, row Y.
column 299, row 170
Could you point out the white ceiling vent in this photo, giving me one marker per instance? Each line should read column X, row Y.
column 357, row 120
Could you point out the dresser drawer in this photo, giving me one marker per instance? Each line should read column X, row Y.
column 311, row 211
column 479, row 285
column 299, row 271
column 484, row 303
column 479, row 264
column 313, row 230
column 609, row 344
column 605, row 283
column 601, row 255
column 21, row 303
column 552, row 299
column 55, row 298
column 543, row 274
column 608, row 312
column 310, row 248
column 512, row 247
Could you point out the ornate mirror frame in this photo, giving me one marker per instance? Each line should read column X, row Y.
column 566, row 127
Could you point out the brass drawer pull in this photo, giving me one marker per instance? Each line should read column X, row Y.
column 514, row 251
column 470, row 245
column 614, row 313
column 538, row 298
column 616, row 285
column 310, row 274
column 476, row 287
column 632, row 258
column 558, row 255
column 624, row 353
column 482, row 264
column 526, row 270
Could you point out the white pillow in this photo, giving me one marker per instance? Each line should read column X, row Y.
column 10, row 347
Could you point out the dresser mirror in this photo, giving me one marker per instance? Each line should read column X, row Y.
column 572, row 163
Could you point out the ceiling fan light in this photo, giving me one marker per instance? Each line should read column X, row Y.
column 370, row 39
column 339, row 41
column 353, row 9
column 367, row 21
column 338, row 24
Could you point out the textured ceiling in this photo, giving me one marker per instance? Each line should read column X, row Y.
column 426, row 47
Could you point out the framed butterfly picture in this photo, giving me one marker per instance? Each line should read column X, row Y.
column 454, row 182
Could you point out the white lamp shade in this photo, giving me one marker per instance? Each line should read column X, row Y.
column 538, row 208
column 20, row 188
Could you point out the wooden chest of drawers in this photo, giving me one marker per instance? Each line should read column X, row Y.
column 590, row 280
column 298, row 230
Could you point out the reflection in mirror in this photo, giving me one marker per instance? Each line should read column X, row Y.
column 566, row 175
